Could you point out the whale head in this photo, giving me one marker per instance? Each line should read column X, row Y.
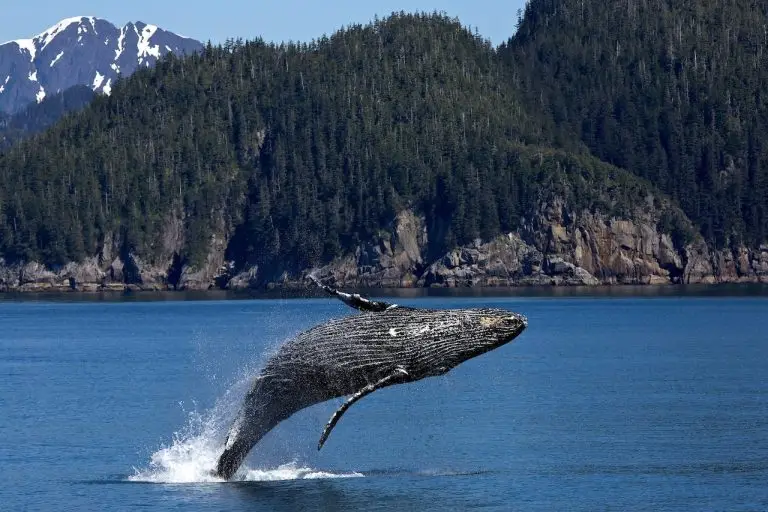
column 464, row 334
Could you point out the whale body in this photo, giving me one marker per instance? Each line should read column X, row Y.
column 385, row 344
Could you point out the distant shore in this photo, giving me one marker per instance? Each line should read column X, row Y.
column 600, row 291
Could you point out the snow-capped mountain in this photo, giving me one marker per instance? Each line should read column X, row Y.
column 80, row 51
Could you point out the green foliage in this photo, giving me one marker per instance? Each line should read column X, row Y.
column 301, row 149
column 671, row 91
column 38, row 116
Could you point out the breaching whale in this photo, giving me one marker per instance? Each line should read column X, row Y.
column 385, row 344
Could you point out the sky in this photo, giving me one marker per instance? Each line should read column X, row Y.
column 284, row 20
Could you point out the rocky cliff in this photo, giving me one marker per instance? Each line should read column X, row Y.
column 115, row 269
column 553, row 247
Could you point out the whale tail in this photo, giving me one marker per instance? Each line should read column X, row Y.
column 231, row 459
column 253, row 421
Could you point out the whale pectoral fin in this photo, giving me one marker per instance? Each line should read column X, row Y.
column 399, row 375
column 354, row 300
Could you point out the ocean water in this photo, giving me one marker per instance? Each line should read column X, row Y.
column 604, row 403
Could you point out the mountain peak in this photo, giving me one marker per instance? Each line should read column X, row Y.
column 44, row 38
column 81, row 50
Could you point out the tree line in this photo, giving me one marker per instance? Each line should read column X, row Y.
column 304, row 149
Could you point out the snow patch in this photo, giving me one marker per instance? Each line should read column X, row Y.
column 120, row 41
column 144, row 46
column 27, row 44
column 108, row 87
column 97, row 80
column 40, row 94
column 33, row 76
column 54, row 61
column 45, row 38
column 48, row 36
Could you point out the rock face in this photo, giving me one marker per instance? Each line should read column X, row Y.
column 80, row 51
column 111, row 270
column 394, row 259
column 553, row 247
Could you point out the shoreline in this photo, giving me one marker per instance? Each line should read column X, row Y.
column 530, row 291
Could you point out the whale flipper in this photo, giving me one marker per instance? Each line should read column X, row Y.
column 398, row 376
column 354, row 300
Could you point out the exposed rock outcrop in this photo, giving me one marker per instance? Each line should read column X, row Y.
column 553, row 247
column 114, row 270
column 394, row 259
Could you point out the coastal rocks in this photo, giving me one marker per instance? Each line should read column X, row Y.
column 244, row 280
column 208, row 275
column 84, row 276
column 613, row 251
column 740, row 265
column 505, row 261
column 393, row 259
column 35, row 277
column 161, row 265
column 554, row 246
column 698, row 268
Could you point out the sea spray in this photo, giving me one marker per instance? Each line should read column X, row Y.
column 192, row 455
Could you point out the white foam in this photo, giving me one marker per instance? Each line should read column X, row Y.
column 40, row 96
column 194, row 452
column 108, row 87
column 292, row 471
column 33, row 76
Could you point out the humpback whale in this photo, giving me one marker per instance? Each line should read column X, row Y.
column 383, row 345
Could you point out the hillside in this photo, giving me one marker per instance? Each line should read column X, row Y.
column 376, row 154
column 671, row 91
column 36, row 117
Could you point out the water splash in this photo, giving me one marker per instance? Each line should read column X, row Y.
column 192, row 456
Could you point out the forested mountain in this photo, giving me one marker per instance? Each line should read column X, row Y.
column 36, row 117
column 673, row 91
column 393, row 143
column 83, row 50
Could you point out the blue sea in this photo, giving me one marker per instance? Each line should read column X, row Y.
column 603, row 403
